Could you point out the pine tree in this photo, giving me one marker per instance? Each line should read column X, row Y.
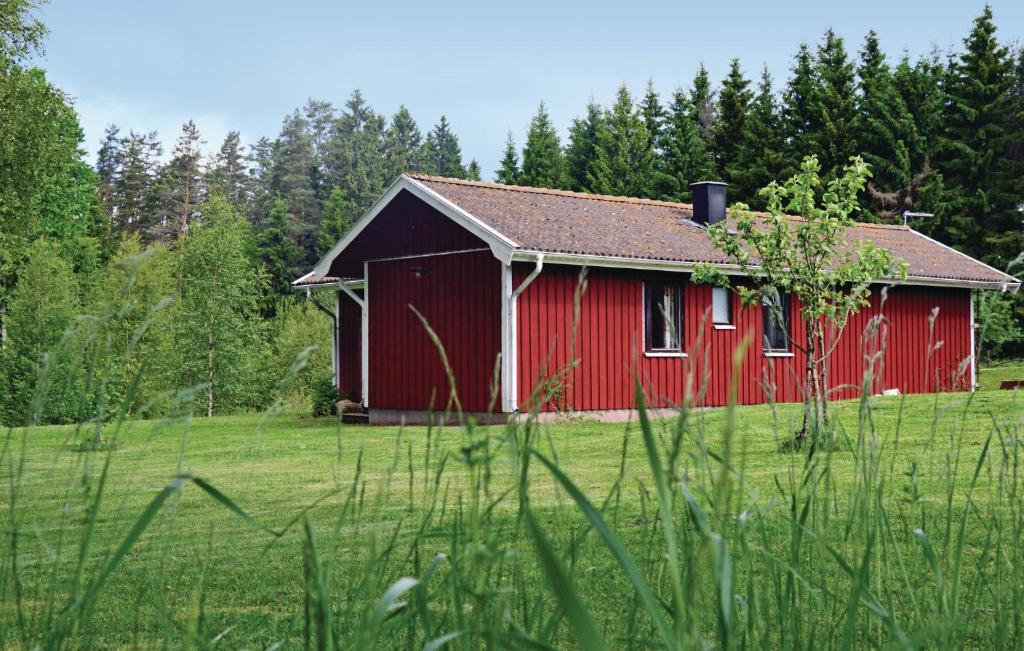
column 625, row 164
column 338, row 215
column 581, row 153
column 228, row 176
column 760, row 157
column 684, row 158
column 733, row 105
column 508, row 172
column 402, row 144
column 885, row 132
column 543, row 165
column 441, row 152
column 797, row 110
column 182, row 189
column 832, row 106
column 108, row 163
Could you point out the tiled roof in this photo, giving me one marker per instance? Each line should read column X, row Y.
column 558, row 221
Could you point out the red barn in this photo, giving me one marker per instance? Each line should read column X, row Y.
column 494, row 270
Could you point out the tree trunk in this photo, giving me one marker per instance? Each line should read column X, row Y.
column 808, row 386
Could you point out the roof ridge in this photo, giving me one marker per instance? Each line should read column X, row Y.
column 558, row 193
column 602, row 197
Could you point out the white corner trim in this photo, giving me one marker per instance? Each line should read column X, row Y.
column 723, row 326
column 769, row 353
column 500, row 245
column 665, row 353
column 972, row 333
column 508, row 397
column 365, row 344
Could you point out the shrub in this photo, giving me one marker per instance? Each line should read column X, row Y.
column 324, row 396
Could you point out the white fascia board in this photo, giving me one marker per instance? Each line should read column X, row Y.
column 501, row 246
column 1011, row 285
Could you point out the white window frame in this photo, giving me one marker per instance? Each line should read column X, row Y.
column 730, row 322
column 662, row 352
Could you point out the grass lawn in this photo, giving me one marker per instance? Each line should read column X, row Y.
column 989, row 377
column 381, row 502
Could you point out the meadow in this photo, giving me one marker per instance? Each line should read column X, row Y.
column 280, row 531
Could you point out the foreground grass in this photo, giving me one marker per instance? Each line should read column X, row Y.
column 908, row 534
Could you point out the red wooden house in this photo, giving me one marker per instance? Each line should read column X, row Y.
column 495, row 269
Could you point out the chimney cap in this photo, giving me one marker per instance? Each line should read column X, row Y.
column 708, row 183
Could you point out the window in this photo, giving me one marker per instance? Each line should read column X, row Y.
column 721, row 306
column 663, row 317
column 775, row 308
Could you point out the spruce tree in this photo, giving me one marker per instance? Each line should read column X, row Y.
column 733, row 106
column 473, row 171
column 654, row 115
column 832, row 106
column 702, row 104
column 543, row 166
column 684, row 155
column 760, row 157
column 355, row 153
column 293, row 158
column 338, row 215
column 885, row 132
column 981, row 199
column 625, row 161
column 797, row 102
column 441, row 152
column 136, row 190
column 402, row 144
column 581, row 153
column 280, row 255
column 508, row 172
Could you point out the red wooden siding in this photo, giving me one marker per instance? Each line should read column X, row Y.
column 608, row 344
column 407, row 226
column 460, row 297
column 350, row 330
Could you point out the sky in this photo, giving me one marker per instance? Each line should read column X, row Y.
column 243, row 65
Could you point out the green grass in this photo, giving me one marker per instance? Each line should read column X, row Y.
column 989, row 377
column 908, row 535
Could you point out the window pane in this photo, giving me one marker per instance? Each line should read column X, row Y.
column 662, row 316
column 720, row 305
column 776, row 322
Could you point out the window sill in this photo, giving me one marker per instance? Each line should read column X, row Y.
column 781, row 353
column 664, row 353
column 723, row 326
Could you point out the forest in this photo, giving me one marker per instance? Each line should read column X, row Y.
column 201, row 241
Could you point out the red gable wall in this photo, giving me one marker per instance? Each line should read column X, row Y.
column 609, row 344
column 406, row 226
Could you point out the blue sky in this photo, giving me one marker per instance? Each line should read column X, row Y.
column 243, row 65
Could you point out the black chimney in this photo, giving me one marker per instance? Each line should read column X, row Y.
column 708, row 202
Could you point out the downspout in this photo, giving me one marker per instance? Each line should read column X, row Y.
column 513, row 398
column 334, row 332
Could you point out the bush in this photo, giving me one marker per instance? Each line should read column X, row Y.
column 324, row 396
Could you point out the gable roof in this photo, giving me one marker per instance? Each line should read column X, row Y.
column 520, row 222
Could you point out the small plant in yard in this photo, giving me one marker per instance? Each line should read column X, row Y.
column 325, row 396
column 800, row 248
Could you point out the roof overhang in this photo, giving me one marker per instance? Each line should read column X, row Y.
column 1010, row 285
column 501, row 246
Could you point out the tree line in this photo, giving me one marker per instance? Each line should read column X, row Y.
column 222, row 235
